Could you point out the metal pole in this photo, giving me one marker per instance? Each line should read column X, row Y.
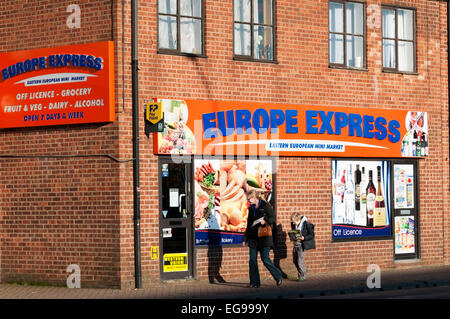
column 135, row 115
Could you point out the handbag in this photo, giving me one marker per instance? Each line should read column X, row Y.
column 264, row 231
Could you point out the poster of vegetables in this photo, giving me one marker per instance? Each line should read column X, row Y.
column 220, row 186
column 176, row 138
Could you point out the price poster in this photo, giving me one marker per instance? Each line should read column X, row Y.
column 404, row 235
column 404, row 186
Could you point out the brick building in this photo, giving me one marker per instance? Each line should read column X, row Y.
column 67, row 189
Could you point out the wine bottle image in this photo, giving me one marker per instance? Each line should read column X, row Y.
column 379, row 218
column 363, row 184
column 370, row 200
column 357, row 189
column 349, row 198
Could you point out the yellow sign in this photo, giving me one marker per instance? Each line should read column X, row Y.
column 154, row 112
column 155, row 252
column 175, row 262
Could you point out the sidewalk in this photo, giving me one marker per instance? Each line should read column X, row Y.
column 315, row 285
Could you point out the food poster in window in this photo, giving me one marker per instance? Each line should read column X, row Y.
column 360, row 193
column 205, row 127
column 220, row 200
column 404, row 235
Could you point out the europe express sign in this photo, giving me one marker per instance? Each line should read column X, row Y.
column 202, row 127
column 57, row 86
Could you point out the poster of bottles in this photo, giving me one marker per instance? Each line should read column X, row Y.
column 404, row 186
column 415, row 141
column 360, row 192
column 404, row 235
column 220, row 198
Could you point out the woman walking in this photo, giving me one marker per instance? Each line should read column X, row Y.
column 261, row 214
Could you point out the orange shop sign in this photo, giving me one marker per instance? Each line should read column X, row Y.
column 56, row 86
column 203, row 127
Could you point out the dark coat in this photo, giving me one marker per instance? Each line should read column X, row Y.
column 308, row 233
column 251, row 233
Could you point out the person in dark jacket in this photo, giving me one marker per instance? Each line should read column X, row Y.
column 299, row 222
column 260, row 210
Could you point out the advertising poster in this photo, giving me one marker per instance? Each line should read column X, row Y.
column 204, row 127
column 404, row 235
column 360, row 192
column 57, row 86
column 404, row 186
column 221, row 206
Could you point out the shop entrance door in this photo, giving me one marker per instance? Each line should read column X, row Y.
column 406, row 210
column 175, row 220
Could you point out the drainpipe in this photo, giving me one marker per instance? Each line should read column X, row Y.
column 135, row 116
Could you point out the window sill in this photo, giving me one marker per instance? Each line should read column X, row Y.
column 249, row 59
column 341, row 67
column 399, row 72
column 190, row 55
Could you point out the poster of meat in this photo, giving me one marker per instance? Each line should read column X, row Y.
column 220, row 186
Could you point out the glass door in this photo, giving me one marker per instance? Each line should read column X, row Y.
column 175, row 220
column 406, row 217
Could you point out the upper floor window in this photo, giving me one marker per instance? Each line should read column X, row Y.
column 254, row 29
column 180, row 26
column 398, row 30
column 346, row 28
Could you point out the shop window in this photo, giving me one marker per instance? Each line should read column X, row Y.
column 376, row 199
column 254, row 35
column 398, row 40
column 346, row 27
column 181, row 27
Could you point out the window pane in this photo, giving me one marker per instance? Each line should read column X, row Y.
column 389, row 54
column 262, row 11
column 336, row 17
column 191, row 35
column 405, row 56
column 355, row 18
column 167, row 6
column 192, row 8
column 242, row 10
column 167, row 32
column 405, row 24
column 336, row 48
column 388, row 23
column 263, row 38
column 355, row 51
column 242, row 45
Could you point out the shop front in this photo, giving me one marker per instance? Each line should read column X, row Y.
column 211, row 153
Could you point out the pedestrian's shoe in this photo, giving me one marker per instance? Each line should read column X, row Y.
column 253, row 286
column 279, row 282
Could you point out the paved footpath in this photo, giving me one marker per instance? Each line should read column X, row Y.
column 315, row 286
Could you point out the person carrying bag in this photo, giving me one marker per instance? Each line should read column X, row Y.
column 258, row 236
column 306, row 242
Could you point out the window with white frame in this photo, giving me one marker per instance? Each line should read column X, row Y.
column 180, row 26
column 346, row 29
column 398, row 29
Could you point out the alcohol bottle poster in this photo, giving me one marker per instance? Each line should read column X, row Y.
column 205, row 127
column 403, row 186
column 360, row 193
column 57, row 86
column 220, row 200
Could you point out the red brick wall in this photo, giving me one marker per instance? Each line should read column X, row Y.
column 58, row 211
column 302, row 76
column 95, row 193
